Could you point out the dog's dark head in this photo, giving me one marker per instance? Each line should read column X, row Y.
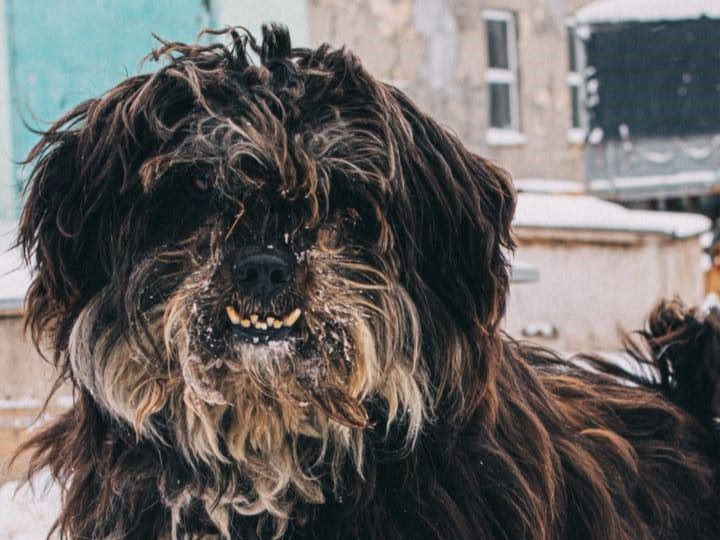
column 267, row 260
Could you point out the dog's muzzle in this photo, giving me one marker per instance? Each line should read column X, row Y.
column 262, row 274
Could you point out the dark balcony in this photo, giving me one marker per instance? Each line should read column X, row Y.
column 652, row 95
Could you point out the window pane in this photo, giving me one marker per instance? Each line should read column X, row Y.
column 500, row 106
column 572, row 56
column 575, row 96
column 659, row 80
column 497, row 33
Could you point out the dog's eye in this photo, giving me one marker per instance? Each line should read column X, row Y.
column 203, row 182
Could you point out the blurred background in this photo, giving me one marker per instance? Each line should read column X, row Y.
column 605, row 112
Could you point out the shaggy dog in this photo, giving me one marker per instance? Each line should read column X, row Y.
column 277, row 289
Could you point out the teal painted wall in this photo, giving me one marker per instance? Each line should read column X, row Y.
column 61, row 52
column 7, row 174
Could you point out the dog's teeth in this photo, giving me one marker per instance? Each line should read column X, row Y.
column 245, row 323
column 270, row 321
column 292, row 317
column 261, row 325
column 254, row 318
column 277, row 323
column 233, row 315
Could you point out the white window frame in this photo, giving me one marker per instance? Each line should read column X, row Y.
column 576, row 79
column 509, row 136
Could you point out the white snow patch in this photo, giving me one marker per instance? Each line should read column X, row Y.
column 609, row 11
column 29, row 513
column 583, row 212
column 705, row 262
column 504, row 137
column 710, row 302
column 706, row 240
column 576, row 135
column 596, row 136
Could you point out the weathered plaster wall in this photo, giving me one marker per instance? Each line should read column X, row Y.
column 436, row 51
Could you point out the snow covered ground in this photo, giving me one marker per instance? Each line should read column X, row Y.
column 28, row 513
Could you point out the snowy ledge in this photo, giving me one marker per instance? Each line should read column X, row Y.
column 504, row 137
column 616, row 11
column 582, row 212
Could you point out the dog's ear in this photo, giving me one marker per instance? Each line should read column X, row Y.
column 456, row 209
column 76, row 194
column 452, row 219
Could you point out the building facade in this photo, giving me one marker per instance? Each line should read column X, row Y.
column 614, row 94
column 620, row 95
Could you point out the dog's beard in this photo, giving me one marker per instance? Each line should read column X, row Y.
column 286, row 416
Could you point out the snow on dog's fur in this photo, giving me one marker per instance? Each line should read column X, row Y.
column 372, row 395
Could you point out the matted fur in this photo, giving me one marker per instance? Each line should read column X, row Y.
column 399, row 410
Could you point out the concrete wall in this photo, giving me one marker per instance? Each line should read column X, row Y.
column 592, row 285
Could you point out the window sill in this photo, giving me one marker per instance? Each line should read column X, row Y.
column 576, row 136
column 504, row 137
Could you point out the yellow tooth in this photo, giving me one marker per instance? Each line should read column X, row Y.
column 270, row 321
column 292, row 317
column 254, row 318
column 233, row 315
column 277, row 323
column 261, row 325
column 245, row 323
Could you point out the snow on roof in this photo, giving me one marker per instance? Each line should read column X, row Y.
column 583, row 212
column 14, row 275
column 548, row 185
column 608, row 11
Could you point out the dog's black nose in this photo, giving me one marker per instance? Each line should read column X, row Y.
column 263, row 273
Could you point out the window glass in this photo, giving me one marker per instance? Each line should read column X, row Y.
column 572, row 53
column 500, row 113
column 497, row 33
column 575, row 96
